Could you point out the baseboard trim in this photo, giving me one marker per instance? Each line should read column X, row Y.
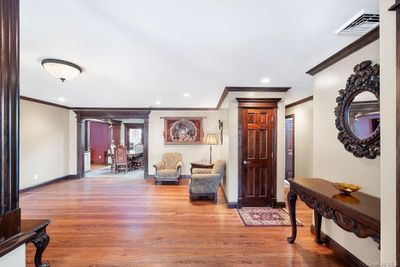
column 53, row 181
column 183, row 176
column 232, row 205
column 278, row 205
column 340, row 251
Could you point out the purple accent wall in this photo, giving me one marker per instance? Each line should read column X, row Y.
column 99, row 141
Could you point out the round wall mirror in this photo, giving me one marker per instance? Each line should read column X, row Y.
column 357, row 112
column 363, row 116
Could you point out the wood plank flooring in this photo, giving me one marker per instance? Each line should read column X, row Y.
column 129, row 222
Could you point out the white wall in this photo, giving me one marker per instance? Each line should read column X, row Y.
column 190, row 153
column 231, row 105
column 388, row 132
column 303, row 143
column 44, row 143
column 331, row 161
column 15, row 258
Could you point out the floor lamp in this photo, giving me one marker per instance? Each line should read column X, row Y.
column 211, row 139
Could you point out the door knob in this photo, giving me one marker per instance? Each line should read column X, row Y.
column 245, row 162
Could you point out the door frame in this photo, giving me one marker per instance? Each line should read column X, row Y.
column 261, row 103
column 92, row 113
column 293, row 141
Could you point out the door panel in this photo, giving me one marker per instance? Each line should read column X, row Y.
column 257, row 156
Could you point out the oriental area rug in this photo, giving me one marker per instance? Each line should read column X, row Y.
column 265, row 216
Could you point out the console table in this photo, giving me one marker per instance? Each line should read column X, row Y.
column 32, row 231
column 358, row 213
column 201, row 165
column 39, row 237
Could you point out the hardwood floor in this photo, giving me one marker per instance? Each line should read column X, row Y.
column 126, row 222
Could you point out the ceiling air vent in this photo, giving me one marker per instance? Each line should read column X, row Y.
column 363, row 22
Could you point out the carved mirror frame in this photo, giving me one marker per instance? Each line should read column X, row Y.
column 365, row 78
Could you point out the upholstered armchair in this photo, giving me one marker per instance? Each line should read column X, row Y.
column 205, row 182
column 169, row 169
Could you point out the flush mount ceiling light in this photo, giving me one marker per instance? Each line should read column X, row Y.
column 61, row 69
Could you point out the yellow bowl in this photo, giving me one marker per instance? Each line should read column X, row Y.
column 346, row 188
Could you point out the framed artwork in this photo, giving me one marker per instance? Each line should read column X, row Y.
column 183, row 131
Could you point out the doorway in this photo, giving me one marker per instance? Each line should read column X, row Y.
column 257, row 152
column 289, row 146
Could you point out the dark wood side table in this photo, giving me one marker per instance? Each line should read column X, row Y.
column 37, row 230
column 201, row 165
column 358, row 213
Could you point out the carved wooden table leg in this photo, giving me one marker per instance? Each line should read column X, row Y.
column 291, row 198
column 40, row 241
column 317, row 223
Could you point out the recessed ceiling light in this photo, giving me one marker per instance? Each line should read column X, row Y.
column 186, row 94
column 158, row 102
column 266, row 80
column 61, row 99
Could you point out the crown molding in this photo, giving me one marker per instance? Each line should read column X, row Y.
column 301, row 101
column 229, row 89
column 348, row 50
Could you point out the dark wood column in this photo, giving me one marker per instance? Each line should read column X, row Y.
column 10, row 214
column 146, row 147
column 80, row 167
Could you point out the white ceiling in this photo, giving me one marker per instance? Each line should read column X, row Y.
column 135, row 52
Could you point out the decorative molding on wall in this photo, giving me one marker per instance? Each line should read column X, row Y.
column 221, row 100
column 340, row 251
column 348, row 50
column 52, row 181
column 43, row 102
column 229, row 89
column 299, row 102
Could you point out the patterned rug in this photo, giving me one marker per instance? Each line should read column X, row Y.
column 265, row 216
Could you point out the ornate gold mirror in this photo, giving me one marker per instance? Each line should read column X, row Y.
column 358, row 113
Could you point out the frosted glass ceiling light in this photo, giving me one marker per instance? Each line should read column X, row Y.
column 61, row 69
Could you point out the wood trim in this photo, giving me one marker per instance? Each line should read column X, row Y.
column 52, row 181
column 299, row 102
column 278, row 205
column 338, row 250
column 258, row 102
column 232, row 205
column 293, row 116
column 396, row 7
column 34, row 100
column 128, row 109
column 228, row 89
column 348, row 50
column 10, row 213
column 140, row 109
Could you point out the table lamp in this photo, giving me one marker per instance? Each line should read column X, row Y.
column 211, row 139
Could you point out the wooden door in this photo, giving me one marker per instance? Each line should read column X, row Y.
column 289, row 147
column 258, row 175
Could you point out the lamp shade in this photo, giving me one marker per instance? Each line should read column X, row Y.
column 211, row 139
column 61, row 69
